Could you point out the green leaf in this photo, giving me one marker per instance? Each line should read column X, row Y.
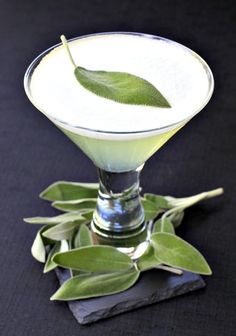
column 54, row 220
column 94, row 259
column 148, row 260
column 118, row 86
column 64, row 230
column 88, row 215
column 38, row 248
column 83, row 237
column 81, row 205
column 59, row 246
column 71, row 246
column 75, row 242
column 50, row 265
column 174, row 251
column 87, row 286
column 48, row 241
column 185, row 202
column 121, row 87
column 163, row 225
column 66, row 191
column 151, row 210
column 160, row 201
column 176, row 218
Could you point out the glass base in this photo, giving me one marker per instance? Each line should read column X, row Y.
column 133, row 243
column 119, row 235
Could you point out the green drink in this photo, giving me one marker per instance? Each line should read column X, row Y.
column 120, row 155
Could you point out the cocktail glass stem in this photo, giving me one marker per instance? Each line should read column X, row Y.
column 119, row 212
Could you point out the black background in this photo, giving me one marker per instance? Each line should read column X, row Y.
column 33, row 154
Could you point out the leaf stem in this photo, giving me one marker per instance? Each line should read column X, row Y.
column 183, row 203
column 162, row 267
column 170, row 269
column 215, row 192
column 65, row 44
column 168, row 213
column 187, row 201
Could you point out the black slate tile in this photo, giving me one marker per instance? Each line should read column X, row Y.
column 153, row 286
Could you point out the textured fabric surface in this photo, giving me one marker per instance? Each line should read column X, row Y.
column 33, row 154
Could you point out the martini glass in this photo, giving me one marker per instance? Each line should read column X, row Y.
column 119, row 156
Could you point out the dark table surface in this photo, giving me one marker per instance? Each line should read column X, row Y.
column 34, row 153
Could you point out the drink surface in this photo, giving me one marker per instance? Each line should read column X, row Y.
column 178, row 73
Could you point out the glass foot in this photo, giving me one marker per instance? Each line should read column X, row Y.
column 133, row 243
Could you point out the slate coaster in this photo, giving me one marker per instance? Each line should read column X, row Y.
column 153, row 286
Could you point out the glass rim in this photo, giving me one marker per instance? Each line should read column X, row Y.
column 37, row 60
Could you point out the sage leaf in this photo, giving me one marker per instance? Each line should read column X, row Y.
column 64, row 230
column 54, row 220
column 186, row 202
column 38, row 250
column 83, row 237
column 60, row 246
column 46, row 240
column 76, row 205
column 151, row 210
column 94, row 259
column 50, row 265
column 174, row 251
column 176, row 218
column 66, row 191
column 158, row 200
column 87, row 286
column 148, row 260
column 121, row 87
column 75, row 242
column 88, row 215
column 71, row 246
column 163, row 225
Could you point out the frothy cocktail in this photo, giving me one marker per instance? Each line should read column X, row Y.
column 120, row 137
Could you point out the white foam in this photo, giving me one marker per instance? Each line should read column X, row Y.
column 176, row 71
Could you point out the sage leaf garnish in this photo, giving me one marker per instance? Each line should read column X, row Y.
column 121, row 87
column 38, row 250
column 148, row 260
column 185, row 202
column 65, row 240
column 88, row 214
column 64, row 230
column 50, row 265
column 54, row 220
column 87, row 286
column 174, row 251
column 176, row 218
column 151, row 210
column 94, row 259
column 83, row 237
column 76, row 205
column 163, row 225
column 67, row 191
column 118, row 86
column 60, row 246
column 159, row 201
